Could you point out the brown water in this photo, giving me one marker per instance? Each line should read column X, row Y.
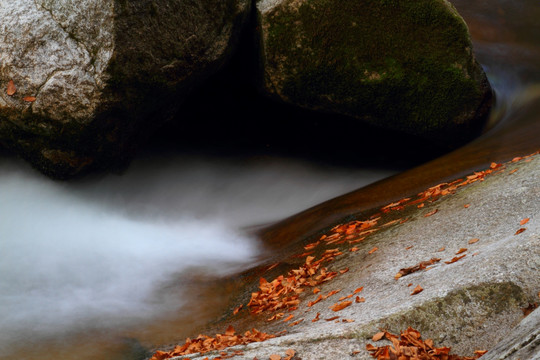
column 506, row 37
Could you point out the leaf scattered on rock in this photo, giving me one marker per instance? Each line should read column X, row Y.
column 472, row 241
column 29, row 98
column 341, row 305
column 520, row 231
column 524, row 221
column 204, row 343
column 461, row 251
column 454, row 259
column 410, row 346
column 420, row 266
column 418, row 289
column 373, row 250
column 11, row 89
column 431, row 213
column 529, row 309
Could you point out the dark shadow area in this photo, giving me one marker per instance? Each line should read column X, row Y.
column 228, row 116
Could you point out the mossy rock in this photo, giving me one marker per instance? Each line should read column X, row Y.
column 403, row 65
column 104, row 73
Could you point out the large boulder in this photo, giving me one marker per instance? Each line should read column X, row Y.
column 84, row 81
column 404, row 65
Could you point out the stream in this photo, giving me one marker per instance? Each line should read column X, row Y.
column 101, row 267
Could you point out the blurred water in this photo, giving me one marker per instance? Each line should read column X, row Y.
column 86, row 263
column 100, row 254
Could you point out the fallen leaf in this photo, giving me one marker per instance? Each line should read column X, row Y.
column 237, row 309
column 230, row 331
column 288, row 318
column 341, row 305
column 358, row 290
column 454, row 259
column 311, row 303
column 345, row 297
column 466, row 206
column 472, row 241
column 421, row 205
column 378, row 336
column 461, row 251
column 373, row 250
column 332, row 318
column 347, row 320
column 354, row 249
column 29, row 98
column 480, row 352
column 275, row 357
column 418, row 289
column 296, row 322
column 343, row 271
column 290, row 354
column 520, row 231
column 316, row 290
column 409, row 247
column 420, row 266
column 316, row 317
column 524, row 221
column 359, row 299
column 11, row 89
column 441, row 249
column 513, row 171
column 431, row 213
column 529, row 309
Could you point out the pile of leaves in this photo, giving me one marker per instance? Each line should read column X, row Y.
column 410, row 346
column 203, row 343
column 283, row 292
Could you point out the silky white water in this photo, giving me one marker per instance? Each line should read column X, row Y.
column 99, row 253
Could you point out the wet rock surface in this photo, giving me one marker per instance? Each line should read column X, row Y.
column 473, row 303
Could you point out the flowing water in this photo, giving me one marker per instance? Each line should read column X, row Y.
column 98, row 268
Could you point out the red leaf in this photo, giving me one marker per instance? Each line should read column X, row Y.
column 418, row 289
column 520, row 231
column 524, row 221
column 11, row 89
column 29, row 98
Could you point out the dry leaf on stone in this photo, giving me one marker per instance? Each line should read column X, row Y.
column 11, row 89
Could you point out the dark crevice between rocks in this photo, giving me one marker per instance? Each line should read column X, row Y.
column 228, row 116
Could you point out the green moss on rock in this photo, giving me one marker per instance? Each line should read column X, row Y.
column 406, row 65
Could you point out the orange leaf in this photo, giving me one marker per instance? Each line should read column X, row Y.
column 296, row 322
column 237, row 309
column 472, row 241
column 341, row 306
column 275, row 357
column 480, row 352
column 373, row 250
column 316, row 290
column 524, row 221
column 11, row 89
column 347, row 320
column 418, row 289
column 230, row 331
column 358, row 290
column 288, row 318
column 316, row 317
column 461, row 251
column 29, row 98
column 378, row 336
column 354, row 249
column 332, row 318
column 454, row 259
column 520, row 231
column 359, row 299
column 343, row 271
column 466, row 206
column 441, row 249
column 431, row 213
column 290, row 354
